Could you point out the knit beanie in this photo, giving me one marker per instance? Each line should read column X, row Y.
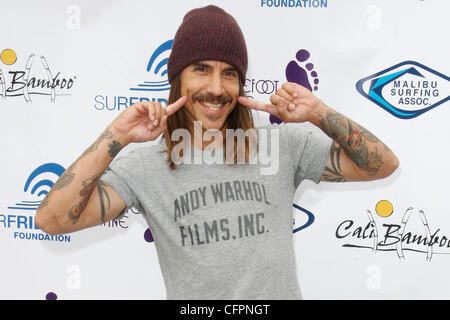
column 208, row 33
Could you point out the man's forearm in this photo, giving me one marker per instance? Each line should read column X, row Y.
column 365, row 150
column 69, row 196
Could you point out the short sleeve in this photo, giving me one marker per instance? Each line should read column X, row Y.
column 310, row 148
column 121, row 175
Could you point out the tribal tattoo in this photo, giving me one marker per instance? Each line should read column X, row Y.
column 102, row 194
column 334, row 174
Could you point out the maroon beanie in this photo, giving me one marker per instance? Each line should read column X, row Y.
column 208, row 33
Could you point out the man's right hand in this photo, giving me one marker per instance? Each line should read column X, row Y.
column 143, row 121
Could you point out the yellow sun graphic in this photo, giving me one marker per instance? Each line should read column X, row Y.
column 384, row 208
column 8, row 56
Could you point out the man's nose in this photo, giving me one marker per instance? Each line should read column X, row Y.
column 215, row 86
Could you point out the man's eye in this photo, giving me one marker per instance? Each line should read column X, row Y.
column 200, row 69
column 231, row 74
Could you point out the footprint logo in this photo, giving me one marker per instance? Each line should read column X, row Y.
column 303, row 74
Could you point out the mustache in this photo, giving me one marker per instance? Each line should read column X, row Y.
column 207, row 97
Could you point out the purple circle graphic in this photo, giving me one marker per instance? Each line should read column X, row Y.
column 302, row 55
column 51, row 296
column 148, row 235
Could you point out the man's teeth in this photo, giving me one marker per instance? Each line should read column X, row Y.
column 213, row 106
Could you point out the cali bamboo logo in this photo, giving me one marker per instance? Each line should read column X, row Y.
column 34, row 78
column 413, row 234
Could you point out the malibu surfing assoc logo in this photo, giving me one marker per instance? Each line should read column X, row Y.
column 411, row 234
column 154, row 88
column 406, row 90
column 30, row 76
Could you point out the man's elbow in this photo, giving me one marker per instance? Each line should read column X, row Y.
column 390, row 166
column 45, row 221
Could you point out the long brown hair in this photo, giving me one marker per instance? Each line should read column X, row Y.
column 240, row 118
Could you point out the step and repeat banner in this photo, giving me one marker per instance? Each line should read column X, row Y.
column 68, row 68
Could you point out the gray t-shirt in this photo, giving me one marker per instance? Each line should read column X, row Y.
column 223, row 231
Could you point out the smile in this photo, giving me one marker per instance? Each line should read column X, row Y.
column 213, row 108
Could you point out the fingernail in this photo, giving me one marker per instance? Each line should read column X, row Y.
column 152, row 117
column 155, row 123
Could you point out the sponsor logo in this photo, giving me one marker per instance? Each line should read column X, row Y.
column 19, row 216
column 301, row 71
column 155, row 88
column 294, row 3
column 412, row 234
column 406, row 90
column 34, row 78
column 157, row 66
column 260, row 86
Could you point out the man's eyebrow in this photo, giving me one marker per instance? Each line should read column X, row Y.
column 205, row 64
column 231, row 68
column 201, row 64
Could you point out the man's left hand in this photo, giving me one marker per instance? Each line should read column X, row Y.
column 291, row 103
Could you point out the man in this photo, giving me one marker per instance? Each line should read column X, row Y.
column 222, row 231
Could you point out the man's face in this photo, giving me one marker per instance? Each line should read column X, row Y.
column 212, row 88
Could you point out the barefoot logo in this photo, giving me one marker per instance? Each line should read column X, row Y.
column 406, row 90
column 34, row 78
column 413, row 234
column 300, row 71
column 156, row 85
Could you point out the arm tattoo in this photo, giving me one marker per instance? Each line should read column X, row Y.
column 105, row 135
column 88, row 186
column 65, row 179
column 353, row 139
column 114, row 148
column 334, row 174
column 102, row 193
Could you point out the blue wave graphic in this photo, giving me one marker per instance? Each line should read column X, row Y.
column 37, row 188
column 152, row 86
column 166, row 46
column 48, row 167
column 159, row 69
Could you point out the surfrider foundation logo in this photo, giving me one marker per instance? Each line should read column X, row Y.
column 406, row 90
column 155, row 87
column 157, row 67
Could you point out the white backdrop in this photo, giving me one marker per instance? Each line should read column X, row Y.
column 386, row 239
